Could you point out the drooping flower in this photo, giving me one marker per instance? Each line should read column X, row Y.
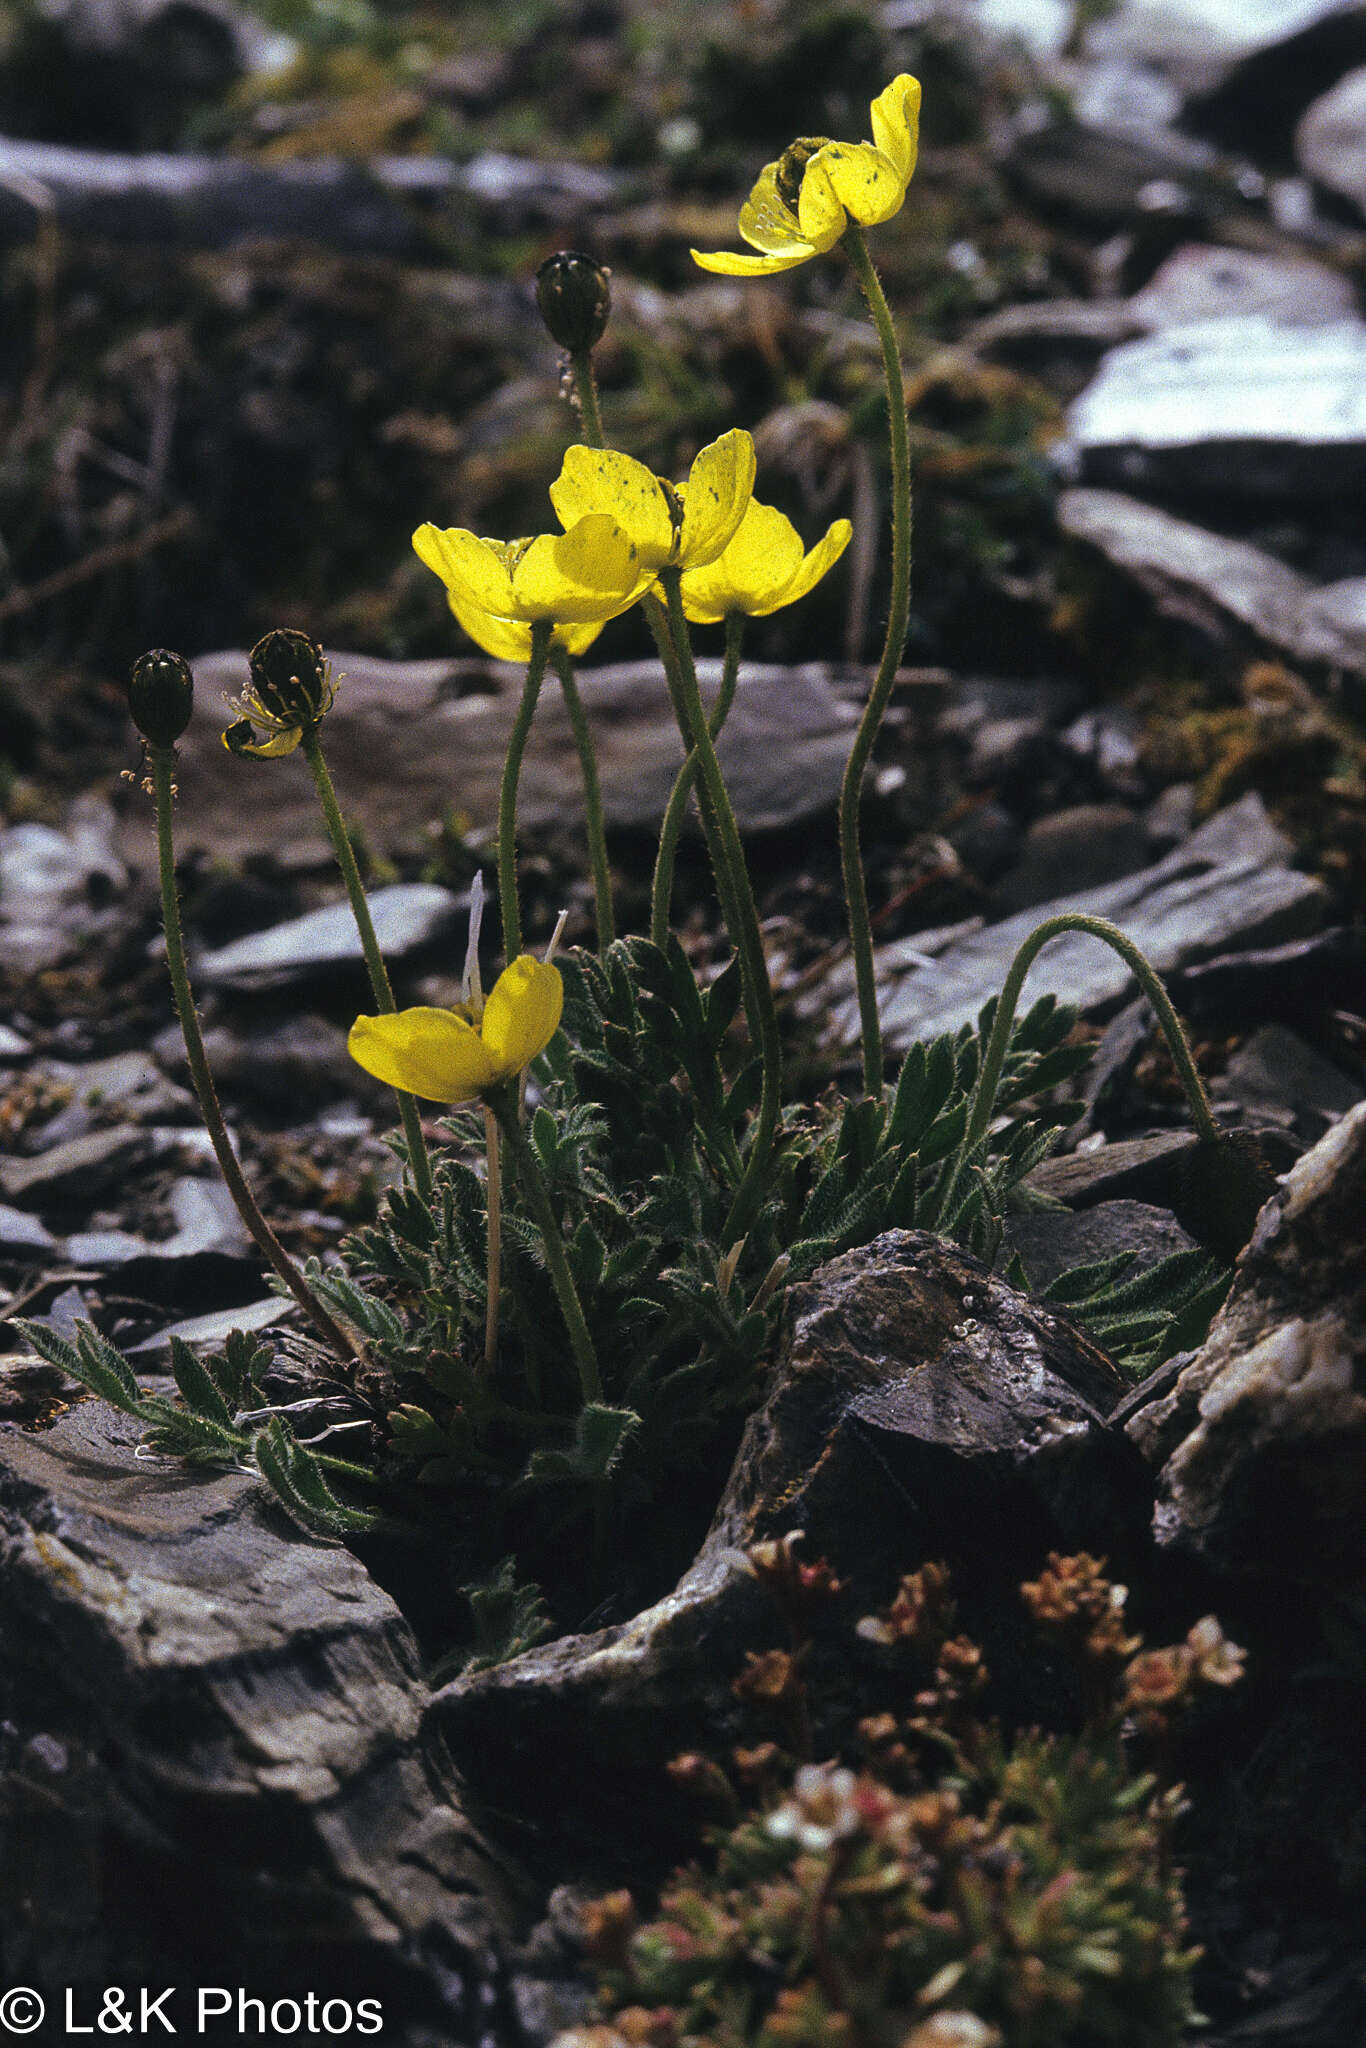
column 802, row 204
column 762, row 567
column 498, row 589
column 289, row 691
column 457, row 1055
column 679, row 526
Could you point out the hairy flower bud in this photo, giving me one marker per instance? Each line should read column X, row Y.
column 161, row 696
column 572, row 293
column 289, row 677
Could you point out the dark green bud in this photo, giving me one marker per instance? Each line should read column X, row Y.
column 289, row 678
column 161, row 696
column 572, row 293
column 792, row 167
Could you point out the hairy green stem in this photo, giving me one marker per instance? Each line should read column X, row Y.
column 742, row 917
column 586, row 393
column 508, row 904
column 494, row 1185
column 163, row 769
column 532, row 1183
column 374, row 960
column 676, row 808
column 993, row 1059
column 592, row 798
column 898, row 616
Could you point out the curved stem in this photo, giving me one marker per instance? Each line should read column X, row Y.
column 742, row 918
column 374, row 960
column 898, row 616
column 993, row 1059
column 508, row 905
column 592, row 799
column 532, row 1182
column 163, row 768
column 676, row 809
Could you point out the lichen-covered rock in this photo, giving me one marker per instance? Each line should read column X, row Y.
column 1262, row 1441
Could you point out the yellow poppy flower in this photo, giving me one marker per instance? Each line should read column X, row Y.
column 452, row 1056
column 510, row 639
column 583, row 576
column 802, row 204
column 762, row 567
column 677, row 526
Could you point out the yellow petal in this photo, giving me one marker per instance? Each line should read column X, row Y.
column 812, row 567
column 591, row 572
column 725, row 263
column 426, row 1052
column 476, row 570
column 763, row 553
column 605, row 480
column 864, row 182
column 522, row 1014
column 510, row 639
column 717, row 493
column 767, row 222
column 896, row 124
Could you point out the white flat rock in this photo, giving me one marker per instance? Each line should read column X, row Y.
column 1330, row 141
column 1245, row 405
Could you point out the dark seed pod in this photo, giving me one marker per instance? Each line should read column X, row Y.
column 575, row 302
column 161, row 696
column 289, row 677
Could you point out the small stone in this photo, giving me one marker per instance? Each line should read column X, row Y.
column 1081, row 847
column 1052, row 1241
column 23, row 1236
column 1275, row 1076
column 81, row 1167
column 208, row 1330
column 1330, row 140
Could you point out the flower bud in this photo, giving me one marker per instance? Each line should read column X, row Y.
column 792, row 167
column 289, row 677
column 161, row 696
column 572, row 293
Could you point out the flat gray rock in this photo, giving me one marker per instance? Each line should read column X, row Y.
column 407, row 916
column 1204, row 282
column 410, row 742
column 1052, row 1241
column 1220, row 583
column 1246, row 404
column 194, row 1692
column 1227, row 884
column 1198, row 43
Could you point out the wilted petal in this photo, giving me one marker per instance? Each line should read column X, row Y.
column 427, row 1052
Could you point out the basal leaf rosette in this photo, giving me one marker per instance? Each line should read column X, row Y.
column 677, row 526
column 499, row 589
column 454, row 1055
column 802, row 204
column 762, row 567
